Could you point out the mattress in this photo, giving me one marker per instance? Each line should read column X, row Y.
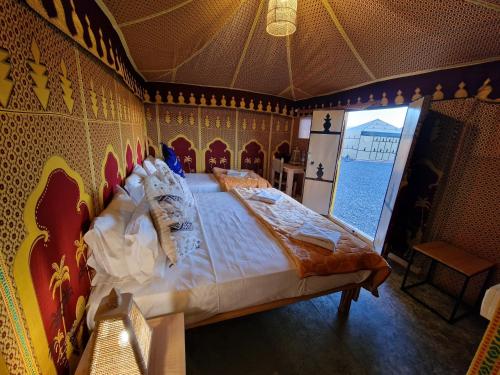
column 239, row 264
column 202, row 182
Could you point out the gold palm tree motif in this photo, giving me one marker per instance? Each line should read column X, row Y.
column 247, row 160
column 256, row 160
column 60, row 275
column 81, row 251
column 223, row 160
column 212, row 161
column 58, row 348
column 188, row 160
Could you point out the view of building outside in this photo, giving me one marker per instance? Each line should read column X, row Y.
column 369, row 147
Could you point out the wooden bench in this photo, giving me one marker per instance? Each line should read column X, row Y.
column 454, row 258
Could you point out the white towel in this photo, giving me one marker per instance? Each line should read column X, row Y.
column 317, row 236
column 267, row 196
column 235, row 173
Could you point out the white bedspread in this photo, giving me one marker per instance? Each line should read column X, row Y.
column 239, row 264
column 202, row 182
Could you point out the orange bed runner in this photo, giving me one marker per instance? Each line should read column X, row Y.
column 287, row 215
column 251, row 180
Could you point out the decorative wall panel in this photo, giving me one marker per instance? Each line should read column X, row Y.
column 60, row 113
column 203, row 135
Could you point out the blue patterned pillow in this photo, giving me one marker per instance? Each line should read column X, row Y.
column 171, row 159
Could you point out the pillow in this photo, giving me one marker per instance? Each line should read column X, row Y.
column 171, row 200
column 160, row 222
column 177, row 240
column 135, row 186
column 124, row 243
column 173, row 219
column 141, row 237
column 140, row 171
column 106, row 236
column 149, row 167
column 171, row 159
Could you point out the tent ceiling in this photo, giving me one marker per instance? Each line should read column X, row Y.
column 338, row 43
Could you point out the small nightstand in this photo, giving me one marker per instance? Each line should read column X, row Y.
column 167, row 348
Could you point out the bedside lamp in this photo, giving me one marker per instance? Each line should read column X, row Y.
column 122, row 337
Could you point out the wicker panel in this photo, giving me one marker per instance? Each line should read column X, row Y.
column 108, row 358
column 387, row 32
column 206, row 68
column 269, row 77
column 188, row 29
column 321, row 60
column 126, row 11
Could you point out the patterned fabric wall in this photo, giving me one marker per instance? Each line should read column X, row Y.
column 217, row 136
column 449, row 187
column 66, row 122
column 88, row 25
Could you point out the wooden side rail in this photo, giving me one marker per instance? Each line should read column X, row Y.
column 349, row 292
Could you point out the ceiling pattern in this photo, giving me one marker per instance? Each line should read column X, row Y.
column 337, row 45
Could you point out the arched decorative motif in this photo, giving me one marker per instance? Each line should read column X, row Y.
column 283, row 148
column 185, row 151
column 253, row 157
column 111, row 176
column 152, row 149
column 217, row 154
column 50, row 271
column 129, row 160
column 139, row 156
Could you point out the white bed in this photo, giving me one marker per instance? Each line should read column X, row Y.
column 239, row 264
column 202, row 182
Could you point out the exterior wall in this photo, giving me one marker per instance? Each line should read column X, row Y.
column 370, row 148
column 67, row 124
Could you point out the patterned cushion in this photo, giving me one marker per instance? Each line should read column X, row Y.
column 173, row 218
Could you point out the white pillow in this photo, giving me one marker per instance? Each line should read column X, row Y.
column 134, row 184
column 140, row 171
column 106, row 235
column 141, row 237
column 123, row 242
column 149, row 167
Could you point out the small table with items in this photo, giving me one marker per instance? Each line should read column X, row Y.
column 291, row 170
column 167, row 347
column 454, row 258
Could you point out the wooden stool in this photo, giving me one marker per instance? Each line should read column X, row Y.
column 454, row 258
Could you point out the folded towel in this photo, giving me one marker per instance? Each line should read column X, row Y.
column 267, row 196
column 236, row 173
column 317, row 236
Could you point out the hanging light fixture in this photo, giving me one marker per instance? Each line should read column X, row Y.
column 281, row 17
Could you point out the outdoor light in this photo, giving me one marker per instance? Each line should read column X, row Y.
column 281, row 17
column 122, row 337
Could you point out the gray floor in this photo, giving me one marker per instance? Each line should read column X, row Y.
column 387, row 335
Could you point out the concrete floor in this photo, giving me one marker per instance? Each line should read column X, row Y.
column 388, row 335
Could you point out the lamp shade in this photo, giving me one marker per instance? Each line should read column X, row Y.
column 122, row 337
column 281, row 17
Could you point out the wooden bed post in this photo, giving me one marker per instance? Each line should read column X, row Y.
column 346, row 299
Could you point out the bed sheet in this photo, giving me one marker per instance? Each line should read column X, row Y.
column 239, row 264
column 202, row 183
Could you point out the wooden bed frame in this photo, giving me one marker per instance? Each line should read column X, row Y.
column 350, row 292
